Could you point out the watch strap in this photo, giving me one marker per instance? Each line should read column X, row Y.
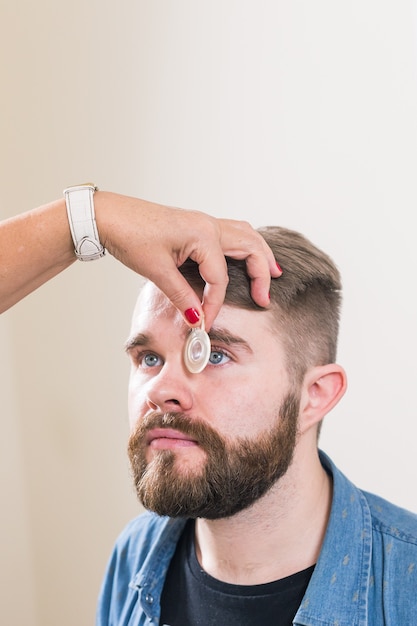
column 79, row 201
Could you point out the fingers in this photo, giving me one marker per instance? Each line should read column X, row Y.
column 241, row 241
column 260, row 275
column 213, row 300
column 226, row 238
column 166, row 237
column 195, row 306
column 212, row 266
column 176, row 288
column 214, row 272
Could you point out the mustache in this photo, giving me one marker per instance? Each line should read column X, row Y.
column 193, row 427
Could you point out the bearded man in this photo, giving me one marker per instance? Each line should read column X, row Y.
column 248, row 523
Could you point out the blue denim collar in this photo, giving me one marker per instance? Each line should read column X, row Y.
column 338, row 590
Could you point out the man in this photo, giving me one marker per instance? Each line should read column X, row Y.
column 250, row 525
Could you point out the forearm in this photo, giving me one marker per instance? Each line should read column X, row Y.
column 34, row 247
column 37, row 245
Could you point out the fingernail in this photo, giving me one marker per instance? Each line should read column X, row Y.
column 192, row 315
column 279, row 267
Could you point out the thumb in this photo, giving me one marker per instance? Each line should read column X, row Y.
column 181, row 294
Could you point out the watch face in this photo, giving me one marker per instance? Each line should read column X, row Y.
column 197, row 350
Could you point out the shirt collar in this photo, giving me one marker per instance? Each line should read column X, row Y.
column 150, row 579
column 338, row 590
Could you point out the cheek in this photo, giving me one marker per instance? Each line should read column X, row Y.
column 247, row 407
column 237, row 411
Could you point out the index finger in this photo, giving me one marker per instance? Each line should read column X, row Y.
column 213, row 270
column 241, row 241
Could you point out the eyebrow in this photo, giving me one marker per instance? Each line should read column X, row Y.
column 217, row 335
column 222, row 335
column 137, row 340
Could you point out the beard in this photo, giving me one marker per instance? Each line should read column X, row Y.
column 234, row 475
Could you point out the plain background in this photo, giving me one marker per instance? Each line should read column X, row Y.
column 295, row 113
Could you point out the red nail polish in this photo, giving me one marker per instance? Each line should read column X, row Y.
column 192, row 315
column 279, row 267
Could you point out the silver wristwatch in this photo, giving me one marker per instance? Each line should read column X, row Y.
column 81, row 218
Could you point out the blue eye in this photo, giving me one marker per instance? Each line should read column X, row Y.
column 150, row 360
column 218, row 357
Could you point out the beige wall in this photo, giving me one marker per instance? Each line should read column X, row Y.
column 17, row 571
column 300, row 113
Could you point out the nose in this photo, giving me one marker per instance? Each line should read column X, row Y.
column 170, row 390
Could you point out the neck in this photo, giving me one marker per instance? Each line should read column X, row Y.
column 279, row 535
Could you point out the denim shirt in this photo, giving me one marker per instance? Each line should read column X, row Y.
column 366, row 574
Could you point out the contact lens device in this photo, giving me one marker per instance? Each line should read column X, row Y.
column 197, row 350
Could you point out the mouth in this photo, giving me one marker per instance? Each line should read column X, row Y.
column 168, row 439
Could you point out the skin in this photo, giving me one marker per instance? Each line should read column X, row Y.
column 150, row 239
column 237, row 396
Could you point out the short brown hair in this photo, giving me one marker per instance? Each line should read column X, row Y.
column 305, row 300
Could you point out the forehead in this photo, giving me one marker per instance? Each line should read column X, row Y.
column 153, row 310
column 153, row 305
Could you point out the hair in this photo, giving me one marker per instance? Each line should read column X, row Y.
column 305, row 300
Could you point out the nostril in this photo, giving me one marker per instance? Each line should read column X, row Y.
column 159, row 406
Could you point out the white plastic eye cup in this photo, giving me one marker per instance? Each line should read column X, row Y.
column 197, row 350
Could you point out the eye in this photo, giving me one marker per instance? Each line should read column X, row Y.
column 218, row 357
column 146, row 360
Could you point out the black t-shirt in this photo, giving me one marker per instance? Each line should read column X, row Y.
column 191, row 597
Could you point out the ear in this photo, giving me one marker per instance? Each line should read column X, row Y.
column 323, row 387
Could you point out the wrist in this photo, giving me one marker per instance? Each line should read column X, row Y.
column 117, row 218
column 103, row 202
column 51, row 232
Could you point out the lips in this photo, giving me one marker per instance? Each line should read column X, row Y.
column 168, row 438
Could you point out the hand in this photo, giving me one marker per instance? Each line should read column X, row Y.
column 155, row 240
